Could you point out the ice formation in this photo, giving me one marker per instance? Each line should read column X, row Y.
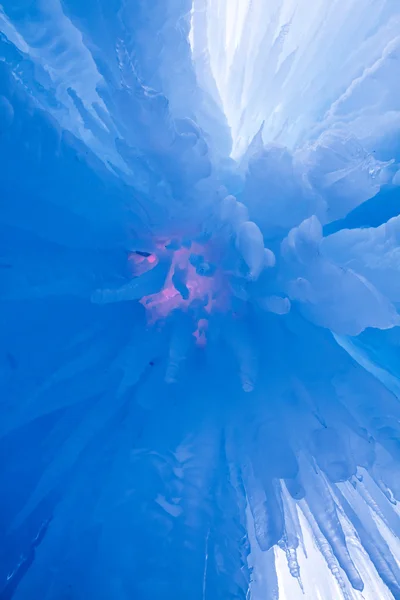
column 200, row 292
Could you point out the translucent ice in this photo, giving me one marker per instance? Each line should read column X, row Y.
column 199, row 294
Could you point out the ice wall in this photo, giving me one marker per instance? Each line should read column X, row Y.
column 199, row 355
column 328, row 57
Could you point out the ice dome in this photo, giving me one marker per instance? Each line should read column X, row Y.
column 200, row 293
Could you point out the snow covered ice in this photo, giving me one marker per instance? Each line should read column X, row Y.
column 199, row 293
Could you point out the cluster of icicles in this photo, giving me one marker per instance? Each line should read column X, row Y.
column 309, row 444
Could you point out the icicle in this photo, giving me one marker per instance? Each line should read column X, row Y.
column 325, row 549
column 240, row 339
column 181, row 341
column 148, row 283
column 290, row 541
column 322, row 506
column 372, row 541
column 199, row 241
column 250, row 244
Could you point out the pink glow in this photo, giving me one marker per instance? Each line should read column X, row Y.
column 141, row 264
column 210, row 289
column 201, row 333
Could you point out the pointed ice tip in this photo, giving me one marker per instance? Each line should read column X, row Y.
column 170, row 378
column 269, row 258
column 358, row 584
column 248, row 386
column 275, row 304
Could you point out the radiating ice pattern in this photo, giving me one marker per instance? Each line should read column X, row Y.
column 199, row 267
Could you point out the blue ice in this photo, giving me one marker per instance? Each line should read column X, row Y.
column 199, row 300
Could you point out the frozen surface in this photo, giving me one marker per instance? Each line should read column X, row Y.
column 199, row 300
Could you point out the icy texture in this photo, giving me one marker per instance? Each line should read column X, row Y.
column 269, row 58
column 199, row 294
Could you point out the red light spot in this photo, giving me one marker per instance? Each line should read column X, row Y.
column 141, row 264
